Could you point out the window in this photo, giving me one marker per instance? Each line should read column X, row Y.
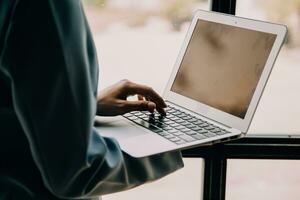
column 139, row 40
column 184, row 184
column 263, row 179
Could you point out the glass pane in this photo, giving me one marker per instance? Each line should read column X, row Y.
column 279, row 109
column 187, row 180
column 263, row 180
column 139, row 39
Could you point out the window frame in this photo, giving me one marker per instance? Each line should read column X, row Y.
column 275, row 147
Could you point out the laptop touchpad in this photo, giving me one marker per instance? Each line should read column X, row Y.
column 117, row 127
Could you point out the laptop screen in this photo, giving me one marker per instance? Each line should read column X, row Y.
column 222, row 66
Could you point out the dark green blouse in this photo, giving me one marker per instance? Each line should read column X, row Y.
column 49, row 148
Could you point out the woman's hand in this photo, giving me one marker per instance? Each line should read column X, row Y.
column 113, row 100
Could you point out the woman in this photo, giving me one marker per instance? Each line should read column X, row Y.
column 48, row 101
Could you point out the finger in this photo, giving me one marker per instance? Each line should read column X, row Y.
column 140, row 97
column 159, row 109
column 134, row 88
column 129, row 106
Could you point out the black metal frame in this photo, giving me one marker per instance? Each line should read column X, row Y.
column 283, row 147
column 224, row 6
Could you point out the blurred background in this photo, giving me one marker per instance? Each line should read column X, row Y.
column 140, row 39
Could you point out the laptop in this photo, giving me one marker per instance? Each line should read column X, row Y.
column 213, row 90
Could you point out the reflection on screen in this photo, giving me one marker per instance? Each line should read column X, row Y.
column 222, row 66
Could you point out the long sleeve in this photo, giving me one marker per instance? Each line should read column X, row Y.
column 50, row 59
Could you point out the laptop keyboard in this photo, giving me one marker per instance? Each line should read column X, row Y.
column 177, row 126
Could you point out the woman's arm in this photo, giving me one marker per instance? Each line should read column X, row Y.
column 48, row 55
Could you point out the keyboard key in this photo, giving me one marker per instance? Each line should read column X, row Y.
column 169, row 115
column 172, row 131
column 175, row 118
column 162, row 133
column 199, row 122
column 132, row 118
column 168, row 108
column 171, row 111
column 180, row 142
column 167, row 128
column 192, row 120
column 181, row 115
column 190, row 126
column 199, row 136
column 204, row 125
column 159, row 125
column 216, row 130
column 186, row 118
column 196, row 128
column 174, row 125
column 179, row 121
column 169, row 136
column 221, row 133
column 145, row 118
column 180, row 127
column 187, row 138
column 190, row 132
column 185, row 123
column 155, row 129
column 143, row 115
column 175, row 139
column 223, row 130
column 185, row 130
column 209, row 128
column 147, row 125
column 178, row 133
column 138, row 114
column 209, row 134
column 202, row 131
column 169, row 122
column 176, row 113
